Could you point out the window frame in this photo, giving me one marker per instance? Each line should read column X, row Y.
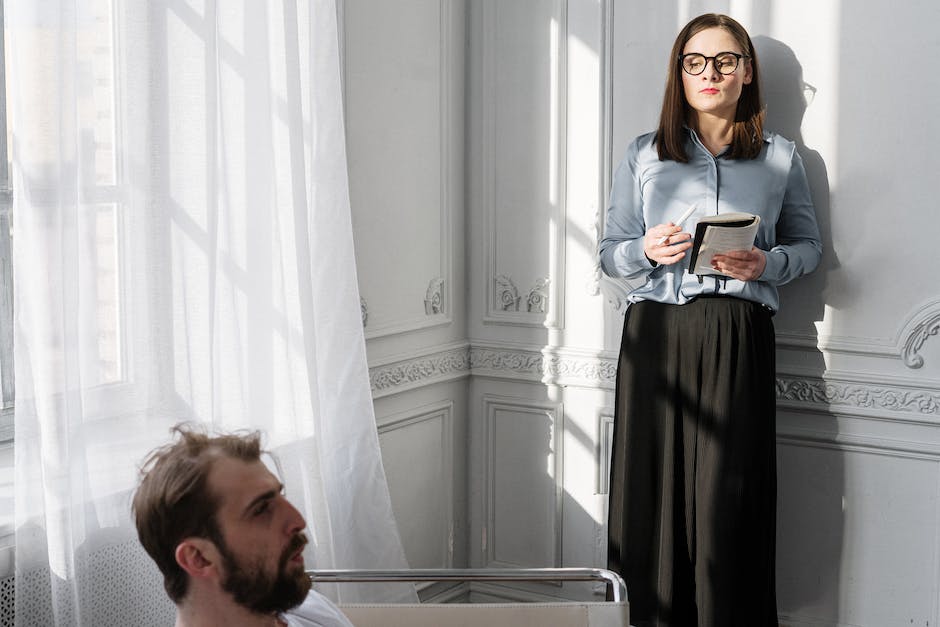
column 124, row 391
column 6, row 260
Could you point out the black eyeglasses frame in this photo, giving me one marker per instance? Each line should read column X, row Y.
column 737, row 62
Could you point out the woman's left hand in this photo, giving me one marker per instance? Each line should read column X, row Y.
column 744, row 265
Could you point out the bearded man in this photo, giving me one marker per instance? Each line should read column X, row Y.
column 229, row 544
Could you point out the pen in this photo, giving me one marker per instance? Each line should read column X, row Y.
column 682, row 218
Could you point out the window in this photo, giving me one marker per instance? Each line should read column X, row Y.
column 101, row 197
column 6, row 319
column 6, row 261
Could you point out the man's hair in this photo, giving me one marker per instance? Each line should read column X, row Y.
column 748, row 134
column 173, row 501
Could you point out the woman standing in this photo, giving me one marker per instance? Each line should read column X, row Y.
column 693, row 480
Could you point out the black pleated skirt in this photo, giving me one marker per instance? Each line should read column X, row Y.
column 693, row 472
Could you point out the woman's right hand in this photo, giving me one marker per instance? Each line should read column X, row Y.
column 666, row 244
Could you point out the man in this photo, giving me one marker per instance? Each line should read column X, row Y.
column 229, row 545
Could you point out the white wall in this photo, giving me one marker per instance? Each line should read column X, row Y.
column 404, row 90
column 482, row 136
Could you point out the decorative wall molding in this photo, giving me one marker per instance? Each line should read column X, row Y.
column 821, row 393
column 565, row 367
column 364, row 312
column 443, row 413
column 916, row 340
column 788, row 435
column 537, row 301
column 507, row 295
column 548, row 366
column 605, row 443
column 420, row 370
column 513, row 409
column 517, row 363
column 434, row 300
column 921, row 326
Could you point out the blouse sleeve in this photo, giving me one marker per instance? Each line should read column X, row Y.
column 621, row 249
column 798, row 248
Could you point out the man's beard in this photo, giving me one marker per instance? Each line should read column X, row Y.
column 262, row 592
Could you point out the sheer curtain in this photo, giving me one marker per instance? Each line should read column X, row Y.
column 182, row 250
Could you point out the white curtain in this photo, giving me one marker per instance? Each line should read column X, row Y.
column 182, row 251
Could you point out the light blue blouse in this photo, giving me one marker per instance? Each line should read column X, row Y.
column 647, row 192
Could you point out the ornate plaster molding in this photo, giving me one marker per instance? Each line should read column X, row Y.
column 434, row 300
column 537, row 300
column 521, row 363
column 420, row 370
column 507, row 296
column 364, row 311
column 856, row 395
column 547, row 367
column 921, row 326
column 568, row 368
column 600, row 371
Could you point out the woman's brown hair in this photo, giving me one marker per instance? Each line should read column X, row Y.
column 748, row 131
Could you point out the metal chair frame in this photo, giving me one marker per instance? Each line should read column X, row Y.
column 613, row 580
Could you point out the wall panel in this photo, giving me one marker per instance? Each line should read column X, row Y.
column 523, row 482
column 417, row 451
column 523, row 178
column 857, row 534
column 404, row 188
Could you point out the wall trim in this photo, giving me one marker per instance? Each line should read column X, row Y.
column 920, row 326
column 444, row 412
column 869, row 445
column 846, row 392
column 605, row 444
column 407, row 373
column 553, row 410
column 606, row 99
column 858, row 395
column 550, row 365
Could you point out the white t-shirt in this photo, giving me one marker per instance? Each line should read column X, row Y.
column 316, row 611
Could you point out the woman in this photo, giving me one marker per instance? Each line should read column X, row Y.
column 693, row 480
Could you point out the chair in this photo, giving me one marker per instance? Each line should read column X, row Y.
column 614, row 613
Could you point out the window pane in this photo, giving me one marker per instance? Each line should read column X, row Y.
column 6, row 259
column 6, row 309
column 107, row 318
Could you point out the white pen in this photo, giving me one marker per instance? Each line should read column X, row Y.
column 682, row 218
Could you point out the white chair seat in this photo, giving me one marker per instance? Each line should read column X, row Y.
column 570, row 614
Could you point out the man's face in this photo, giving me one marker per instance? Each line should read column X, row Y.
column 261, row 543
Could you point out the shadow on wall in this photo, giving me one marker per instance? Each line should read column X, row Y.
column 810, row 518
column 787, row 97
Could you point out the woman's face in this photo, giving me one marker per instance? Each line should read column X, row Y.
column 712, row 92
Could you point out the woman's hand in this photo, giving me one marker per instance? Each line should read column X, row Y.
column 744, row 265
column 666, row 244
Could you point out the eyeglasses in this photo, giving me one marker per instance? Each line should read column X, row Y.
column 725, row 62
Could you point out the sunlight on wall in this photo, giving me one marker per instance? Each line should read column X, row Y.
column 553, row 96
column 582, row 170
column 743, row 11
column 811, row 29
